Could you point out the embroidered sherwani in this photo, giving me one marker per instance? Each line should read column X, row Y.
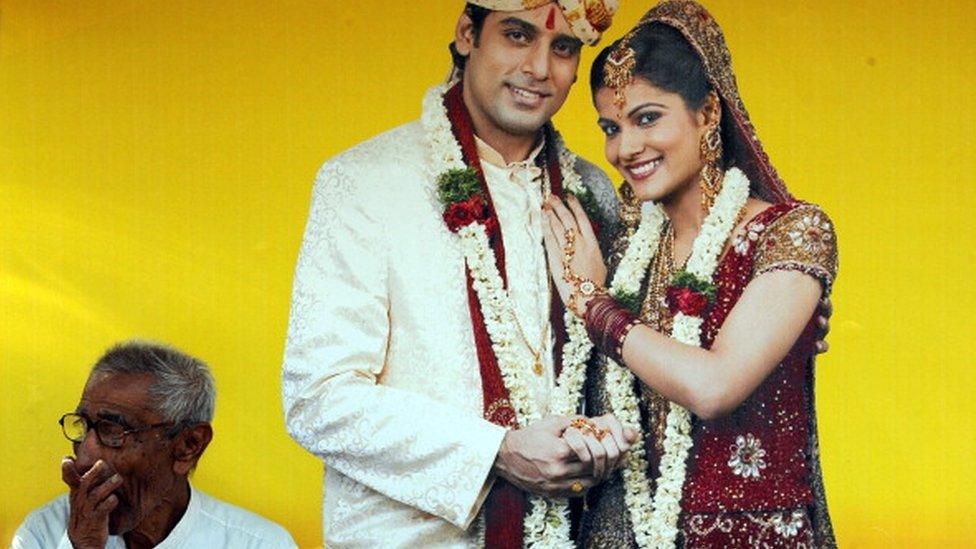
column 381, row 378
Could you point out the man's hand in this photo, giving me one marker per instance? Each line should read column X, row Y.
column 538, row 460
column 91, row 500
column 604, row 454
column 823, row 323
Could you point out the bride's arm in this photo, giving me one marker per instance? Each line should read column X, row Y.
column 758, row 333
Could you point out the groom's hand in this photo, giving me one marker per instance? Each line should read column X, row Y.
column 538, row 460
column 823, row 324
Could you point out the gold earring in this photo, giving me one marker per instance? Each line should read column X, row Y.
column 710, row 148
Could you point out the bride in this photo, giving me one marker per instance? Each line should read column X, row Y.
column 707, row 326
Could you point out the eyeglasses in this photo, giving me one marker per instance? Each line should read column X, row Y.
column 75, row 427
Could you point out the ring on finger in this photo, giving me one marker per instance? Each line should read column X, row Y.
column 587, row 427
column 583, row 424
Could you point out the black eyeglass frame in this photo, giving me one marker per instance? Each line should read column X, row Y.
column 89, row 425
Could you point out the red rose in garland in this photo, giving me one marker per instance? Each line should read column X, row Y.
column 462, row 214
column 689, row 294
column 686, row 301
column 464, row 203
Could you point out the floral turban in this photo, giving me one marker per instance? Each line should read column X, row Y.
column 587, row 18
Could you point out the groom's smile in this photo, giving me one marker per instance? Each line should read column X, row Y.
column 520, row 68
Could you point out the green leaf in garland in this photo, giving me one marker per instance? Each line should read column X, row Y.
column 631, row 301
column 457, row 185
column 589, row 203
column 685, row 279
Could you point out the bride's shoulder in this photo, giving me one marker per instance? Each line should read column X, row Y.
column 795, row 236
column 760, row 212
column 754, row 209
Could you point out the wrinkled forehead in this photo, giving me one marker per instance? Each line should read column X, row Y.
column 118, row 394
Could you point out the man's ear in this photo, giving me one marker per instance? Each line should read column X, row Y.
column 464, row 34
column 189, row 445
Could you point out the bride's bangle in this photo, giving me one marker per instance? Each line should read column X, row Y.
column 608, row 323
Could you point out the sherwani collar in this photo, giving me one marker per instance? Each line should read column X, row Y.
column 488, row 154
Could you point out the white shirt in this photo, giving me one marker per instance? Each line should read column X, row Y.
column 207, row 523
column 517, row 194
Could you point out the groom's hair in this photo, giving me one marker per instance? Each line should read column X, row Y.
column 478, row 15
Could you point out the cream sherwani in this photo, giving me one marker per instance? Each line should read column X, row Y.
column 381, row 378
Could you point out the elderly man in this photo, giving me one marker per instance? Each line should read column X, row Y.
column 141, row 427
column 427, row 362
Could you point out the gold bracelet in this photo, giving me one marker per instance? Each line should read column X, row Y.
column 581, row 286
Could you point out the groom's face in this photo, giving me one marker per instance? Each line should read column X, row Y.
column 519, row 70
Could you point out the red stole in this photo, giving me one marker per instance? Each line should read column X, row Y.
column 505, row 505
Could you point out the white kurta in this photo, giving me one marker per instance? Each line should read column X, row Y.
column 381, row 378
column 207, row 522
column 517, row 194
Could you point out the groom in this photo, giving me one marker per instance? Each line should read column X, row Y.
column 401, row 371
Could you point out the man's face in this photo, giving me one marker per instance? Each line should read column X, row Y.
column 145, row 460
column 519, row 72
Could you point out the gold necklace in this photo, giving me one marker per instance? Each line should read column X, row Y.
column 654, row 310
column 538, row 368
column 662, row 270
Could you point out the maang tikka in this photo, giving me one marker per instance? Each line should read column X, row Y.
column 618, row 71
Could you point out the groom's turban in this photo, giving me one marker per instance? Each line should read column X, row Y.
column 587, row 18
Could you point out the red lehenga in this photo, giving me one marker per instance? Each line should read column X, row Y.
column 753, row 478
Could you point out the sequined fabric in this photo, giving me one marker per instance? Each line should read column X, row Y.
column 783, row 528
column 758, row 457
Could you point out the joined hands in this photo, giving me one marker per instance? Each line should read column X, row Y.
column 555, row 459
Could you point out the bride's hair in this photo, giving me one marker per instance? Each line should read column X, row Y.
column 665, row 59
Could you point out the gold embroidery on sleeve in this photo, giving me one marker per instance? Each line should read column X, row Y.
column 802, row 240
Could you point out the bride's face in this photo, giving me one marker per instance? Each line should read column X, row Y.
column 653, row 141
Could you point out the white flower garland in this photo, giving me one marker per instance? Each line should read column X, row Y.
column 547, row 524
column 655, row 520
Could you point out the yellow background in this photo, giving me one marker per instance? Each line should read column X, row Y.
column 155, row 169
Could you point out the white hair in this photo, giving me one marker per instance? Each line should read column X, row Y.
column 182, row 390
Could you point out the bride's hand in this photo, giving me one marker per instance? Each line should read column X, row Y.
column 587, row 261
column 600, row 443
